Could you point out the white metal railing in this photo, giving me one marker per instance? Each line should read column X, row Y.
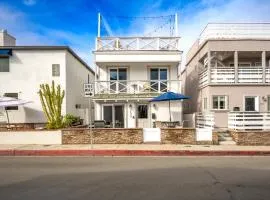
column 249, row 120
column 222, row 75
column 250, row 74
column 203, row 80
column 226, row 75
column 235, row 31
column 137, row 43
column 136, row 86
column 205, row 120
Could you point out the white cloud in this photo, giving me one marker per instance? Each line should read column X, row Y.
column 29, row 2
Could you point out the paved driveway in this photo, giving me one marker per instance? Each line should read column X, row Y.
column 135, row 178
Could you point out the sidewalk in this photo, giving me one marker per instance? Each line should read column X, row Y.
column 132, row 150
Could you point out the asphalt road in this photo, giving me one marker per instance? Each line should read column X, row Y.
column 128, row 178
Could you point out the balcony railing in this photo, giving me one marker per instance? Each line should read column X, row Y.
column 249, row 120
column 136, row 87
column 137, row 43
column 235, row 31
column 226, row 75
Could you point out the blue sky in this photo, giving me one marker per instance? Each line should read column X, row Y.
column 74, row 22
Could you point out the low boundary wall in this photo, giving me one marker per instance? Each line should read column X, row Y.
column 251, row 137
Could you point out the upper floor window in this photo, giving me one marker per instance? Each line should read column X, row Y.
column 4, row 64
column 220, row 102
column 159, row 77
column 55, row 70
column 13, row 95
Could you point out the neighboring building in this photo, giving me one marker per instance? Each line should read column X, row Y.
column 227, row 69
column 129, row 72
column 24, row 68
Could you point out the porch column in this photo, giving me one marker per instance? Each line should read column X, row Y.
column 236, row 66
column 209, row 66
column 263, row 66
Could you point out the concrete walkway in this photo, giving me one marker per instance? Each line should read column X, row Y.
column 132, row 150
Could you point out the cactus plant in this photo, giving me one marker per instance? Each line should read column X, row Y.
column 51, row 100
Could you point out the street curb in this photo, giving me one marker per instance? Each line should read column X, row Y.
column 130, row 153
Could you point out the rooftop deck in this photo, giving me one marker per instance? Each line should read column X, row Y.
column 235, row 31
column 137, row 43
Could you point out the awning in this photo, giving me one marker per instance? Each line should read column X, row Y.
column 5, row 52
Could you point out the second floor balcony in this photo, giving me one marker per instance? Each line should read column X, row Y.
column 228, row 75
column 234, row 68
column 135, row 88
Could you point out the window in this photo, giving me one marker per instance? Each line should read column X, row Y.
column 55, row 70
column 4, row 64
column 251, row 103
column 118, row 80
column 13, row 95
column 220, row 102
column 205, row 103
column 142, row 111
column 159, row 77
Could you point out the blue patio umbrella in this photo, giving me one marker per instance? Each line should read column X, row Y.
column 169, row 96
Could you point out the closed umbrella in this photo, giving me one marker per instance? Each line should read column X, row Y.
column 169, row 96
column 9, row 101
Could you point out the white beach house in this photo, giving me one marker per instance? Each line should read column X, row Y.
column 129, row 72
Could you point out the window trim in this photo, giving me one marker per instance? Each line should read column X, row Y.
column 58, row 75
column 257, row 103
column 8, row 59
column 226, row 102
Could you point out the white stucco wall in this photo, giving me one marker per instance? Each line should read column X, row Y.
column 77, row 75
column 29, row 69
column 138, row 57
column 31, row 137
column 138, row 71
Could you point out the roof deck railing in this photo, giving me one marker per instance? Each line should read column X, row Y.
column 137, row 43
column 235, row 31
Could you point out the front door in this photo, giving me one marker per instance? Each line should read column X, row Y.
column 143, row 116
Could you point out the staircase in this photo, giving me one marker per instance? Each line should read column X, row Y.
column 224, row 138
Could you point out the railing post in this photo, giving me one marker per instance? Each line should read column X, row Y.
column 209, row 66
column 236, row 66
column 157, row 43
column 137, row 44
column 263, row 67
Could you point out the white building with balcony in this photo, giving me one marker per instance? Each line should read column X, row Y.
column 129, row 72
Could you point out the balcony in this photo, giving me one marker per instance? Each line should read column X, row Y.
column 134, row 88
column 226, row 75
column 137, row 43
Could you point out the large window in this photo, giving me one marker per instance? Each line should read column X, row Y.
column 118, row 80
column 220, row 102
column 159, row 77
column 4, row 64
column 13, row 95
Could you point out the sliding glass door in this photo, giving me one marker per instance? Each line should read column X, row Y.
column 114, row 115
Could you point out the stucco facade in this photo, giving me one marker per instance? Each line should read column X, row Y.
column 31, row 66
column 227, row 74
